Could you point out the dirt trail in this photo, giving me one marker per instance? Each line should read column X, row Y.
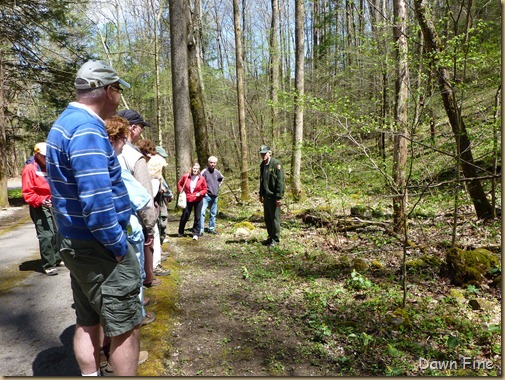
column 221, row 330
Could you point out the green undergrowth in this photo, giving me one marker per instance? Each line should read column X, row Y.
column 356, row 322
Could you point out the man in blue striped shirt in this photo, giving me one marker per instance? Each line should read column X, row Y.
column 92, row 210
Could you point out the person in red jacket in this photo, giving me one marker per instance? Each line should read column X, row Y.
column 37, row 194
column 195, row 187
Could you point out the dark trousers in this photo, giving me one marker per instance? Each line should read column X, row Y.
column 272, row 215
column 46, row 233
column 186, row 213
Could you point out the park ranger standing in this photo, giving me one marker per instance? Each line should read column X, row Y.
column 271, row 193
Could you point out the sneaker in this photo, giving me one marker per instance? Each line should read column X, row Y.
column 155, row 282
column 180, row 235
column 143, row 355
column 105, row 368
column 272, row 244
column 51, row 271
column 163, row 258
column 159, row 271
column 60, row 264
column 266, row 242
column 195, row 237
column 213, row 232
column 149, row 318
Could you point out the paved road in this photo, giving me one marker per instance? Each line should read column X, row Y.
column 36, row 316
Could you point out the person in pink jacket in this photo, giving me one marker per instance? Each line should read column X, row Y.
column 37, row 194
column 195, row 187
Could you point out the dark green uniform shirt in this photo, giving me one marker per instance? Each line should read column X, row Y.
column 272, row 179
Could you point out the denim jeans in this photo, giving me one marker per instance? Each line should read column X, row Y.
column 211, row 203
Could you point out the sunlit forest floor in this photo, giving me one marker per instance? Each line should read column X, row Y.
column 329, row 300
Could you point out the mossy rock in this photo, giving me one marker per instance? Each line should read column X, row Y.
column 245, row 224
column 470, row 267
column 399, row 317
column 361, row 211
column 344, row 263
column 376, row 264
column 458, row 295
column 256, row 218
column 359, row 265
column 424, row 263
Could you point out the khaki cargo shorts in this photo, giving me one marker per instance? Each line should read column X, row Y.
column 104, row 291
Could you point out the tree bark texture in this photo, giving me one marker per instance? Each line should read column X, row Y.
column 274, row 70
column 244, row 156
column 182, row 122
column 4, row 199
column 196, row 91
column 474, row 187
column 400, row 196
column 296, row 158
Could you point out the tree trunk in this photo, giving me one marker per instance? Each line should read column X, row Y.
column 196, row 89
column 400, row 196
column 244, row 181
column 296, row 158
column 157, row 72
column 179, row 49
column 474, row 187
column 274, row 69
column 4, row 199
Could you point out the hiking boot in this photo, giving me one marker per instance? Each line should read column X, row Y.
column 149, row 318
column 51, row 271
column 154, row 282
column 272, row 244
column 266, row 242
column 143, row 355
column 159, row 271
column 105, row 368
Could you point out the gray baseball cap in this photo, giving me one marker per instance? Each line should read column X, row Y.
column 94, row 74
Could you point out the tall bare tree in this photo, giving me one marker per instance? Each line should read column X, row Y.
column 434, row 46
column 274, row 68
column 296, row 155
column 400, row 196
column 244, row 156
column 4, row 201
column 195, row 86
column 179, row 54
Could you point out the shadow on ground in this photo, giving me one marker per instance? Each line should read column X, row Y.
column 31, row 266
column 58, row 361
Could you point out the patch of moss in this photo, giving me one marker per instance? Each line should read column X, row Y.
column 376, row 264
column 399, row 317
column 359, row 265
column 470, row 267
column 154, row 336
column 245, row 224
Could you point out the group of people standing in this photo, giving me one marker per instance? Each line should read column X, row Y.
column 201, row 188
column 98, row 199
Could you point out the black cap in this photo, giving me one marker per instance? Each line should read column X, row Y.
column 133, row 117
column 264, row 149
